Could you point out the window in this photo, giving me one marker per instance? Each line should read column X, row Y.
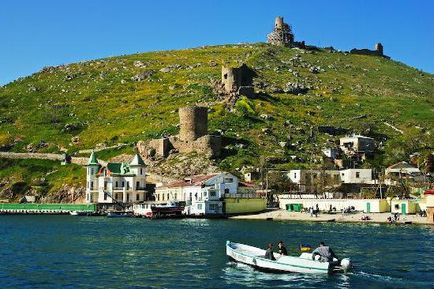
column 225, row 76
column 226, row 191
column 128, row 185
column 229, row 180
column 204, row 194
column 141, row 171
column 88, row 197
column 168, row 196
column 295, row 175
column 199, row 206
column 128, row 197
column 91, row 185
column 116, row 196
column 212, row 194
column 137, row 185
column 213, row 207
column 158, row 197
column 162, row 197
column 191, row 196
column 123, row 184
column 105, row 185
column 357, row 174
column 137, row 197
column 117, row 184
column 105, row 196
column 176, row 196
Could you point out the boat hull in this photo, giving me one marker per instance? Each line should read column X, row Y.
column 283, row 264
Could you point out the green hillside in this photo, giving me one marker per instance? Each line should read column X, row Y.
column 99, row 102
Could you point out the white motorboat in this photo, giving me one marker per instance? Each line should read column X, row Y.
column 255, row 257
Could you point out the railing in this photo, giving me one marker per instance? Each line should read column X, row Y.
column 243, row 196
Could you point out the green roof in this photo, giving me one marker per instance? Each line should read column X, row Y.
column 92, row 159
column 118, row 168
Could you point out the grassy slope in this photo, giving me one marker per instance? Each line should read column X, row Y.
column 107, row 106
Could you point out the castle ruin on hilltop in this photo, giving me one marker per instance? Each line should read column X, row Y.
column 193, row 136
column 281, row 34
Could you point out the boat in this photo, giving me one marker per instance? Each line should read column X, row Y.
column 159, row 210
column 255, row 257
column 114, row 214
column 78, row 213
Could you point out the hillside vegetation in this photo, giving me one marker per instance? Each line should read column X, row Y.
column 135, row 97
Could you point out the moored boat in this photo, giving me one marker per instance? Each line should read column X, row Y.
column 255, row 257
column 159, row 210
column 114, row 214
column 78, row 213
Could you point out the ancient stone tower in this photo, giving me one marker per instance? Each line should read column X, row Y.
column 379, row 48
column 194, row 123
column 282, row 33
column 230, row 78
column 235, row 78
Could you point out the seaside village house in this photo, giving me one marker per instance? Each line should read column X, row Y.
column 312, row 181
column 309, row 182
column 122, row 183
column 402, row 170
column 203, row 194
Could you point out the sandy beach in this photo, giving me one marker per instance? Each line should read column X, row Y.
column 280, row 215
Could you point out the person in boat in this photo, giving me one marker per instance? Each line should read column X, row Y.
column 324, row 252
column 282, row 249
column 269, row 253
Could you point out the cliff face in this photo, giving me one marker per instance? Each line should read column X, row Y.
column 136, row 97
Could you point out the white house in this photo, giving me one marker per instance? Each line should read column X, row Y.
column 356, row 176
column 313, row 180
column 357, row 144
column 115, row 182
column 402, row 170
column 203, row 194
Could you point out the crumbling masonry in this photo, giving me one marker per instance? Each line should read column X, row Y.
column 193, row 135
column 281, row 34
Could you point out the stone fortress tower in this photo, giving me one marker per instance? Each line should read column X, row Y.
column 193, row 135
column 282, row 33
column 379, row 48
column 193, row 123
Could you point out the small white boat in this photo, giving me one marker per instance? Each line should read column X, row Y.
column 78, row 213
column 302, row 264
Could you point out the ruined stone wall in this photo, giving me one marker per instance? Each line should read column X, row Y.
column 230, row 79
column 209, row 145
column 162, row 146
column 193, row 123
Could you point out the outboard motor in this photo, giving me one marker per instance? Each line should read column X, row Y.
column 346, row 264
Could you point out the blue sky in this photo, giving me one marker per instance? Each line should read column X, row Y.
column 39, row 33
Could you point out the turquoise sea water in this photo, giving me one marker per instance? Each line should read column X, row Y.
column 97, row 252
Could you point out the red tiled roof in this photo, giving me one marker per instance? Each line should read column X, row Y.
column 429, row 192
column 193, row 181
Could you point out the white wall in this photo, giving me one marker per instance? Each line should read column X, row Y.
column 339, row 204
column 356, row 176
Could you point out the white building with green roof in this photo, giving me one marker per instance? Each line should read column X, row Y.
column 116, row 182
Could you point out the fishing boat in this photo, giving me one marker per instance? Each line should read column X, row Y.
column 78, row 213
column 255, row 257
column 159, row 210
column 115, row 214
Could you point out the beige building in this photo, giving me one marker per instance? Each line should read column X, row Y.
column 115, row 182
